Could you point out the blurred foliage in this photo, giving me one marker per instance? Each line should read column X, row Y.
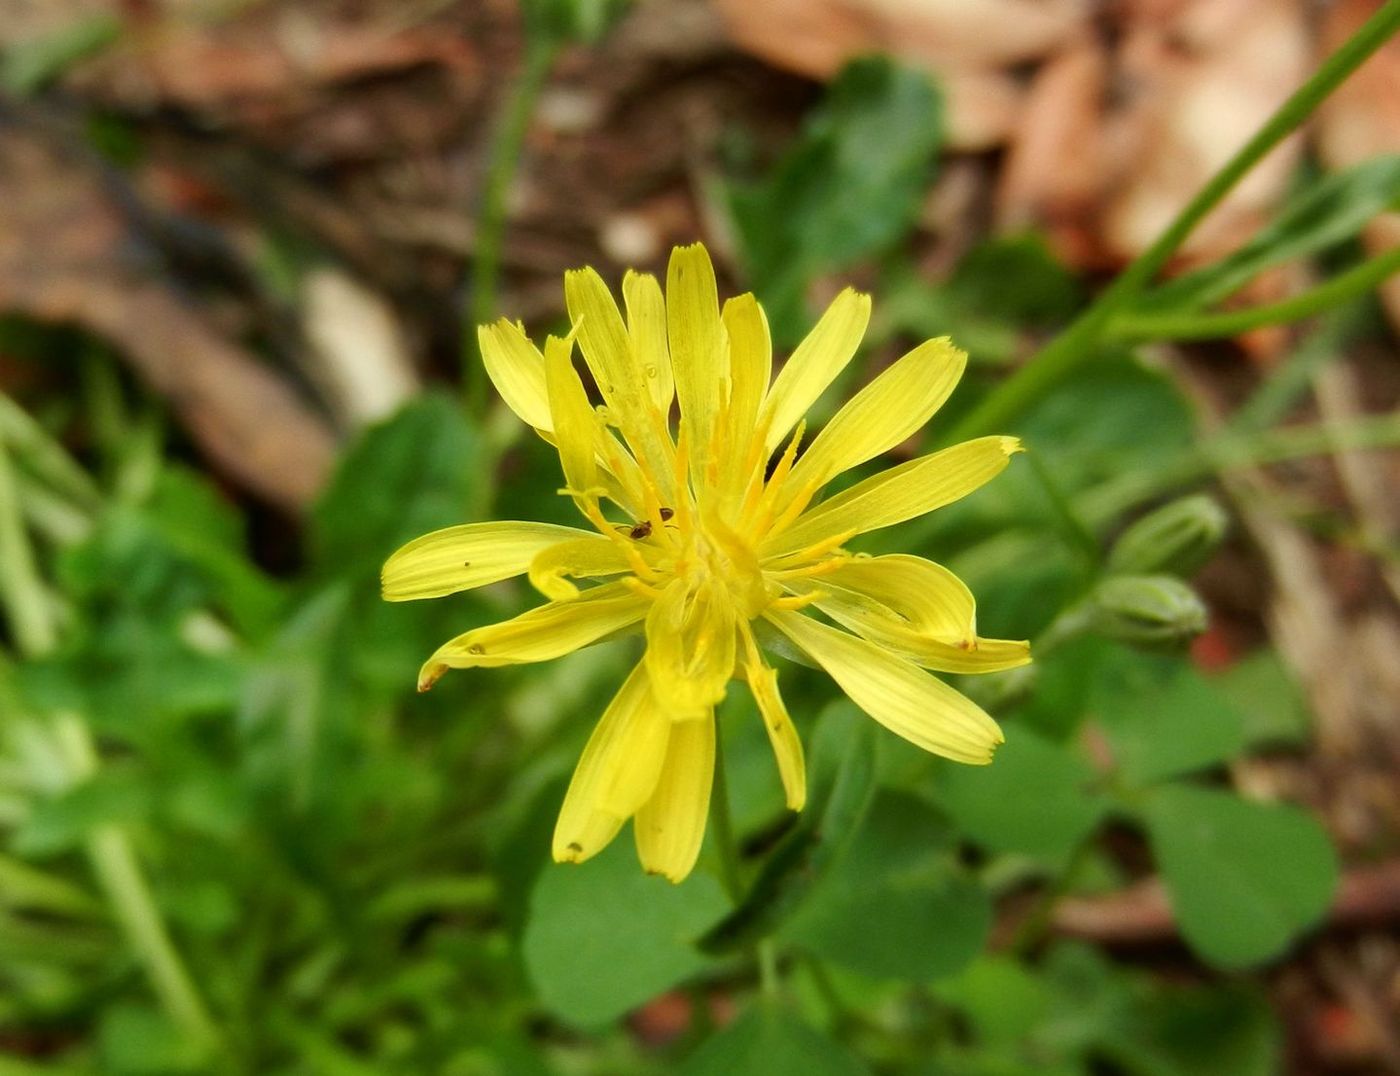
column 355, row 879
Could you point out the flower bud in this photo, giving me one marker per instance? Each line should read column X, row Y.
column 1147, row 610
column 1177, row 538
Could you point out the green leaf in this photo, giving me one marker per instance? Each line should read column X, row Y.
column 1323, row 215
column 204, row 530
column 139, row 1041
column 895, row 905
column 1244, row 878
column 406, row 476
column 603, row 936
column 58, row 824
column 1215, row 1031
column 840, row 789
column 1262, row 687
column 1037, row 799
column 848, row 189
column 767, row 1041
column 1163, row 719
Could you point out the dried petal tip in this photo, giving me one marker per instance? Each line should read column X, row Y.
column 430, row 674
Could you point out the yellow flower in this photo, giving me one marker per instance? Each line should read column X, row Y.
column 706, row 538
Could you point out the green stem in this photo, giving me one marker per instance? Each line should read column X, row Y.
column 504, row 157
column 1193, row 326
column 1231, row 451
column 1078, row 344
column 31, row 616
column 115, row 864
column 769, row 981
column 25, row 598
column 725, row 842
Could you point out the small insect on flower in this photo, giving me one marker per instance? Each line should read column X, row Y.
column 699, row 538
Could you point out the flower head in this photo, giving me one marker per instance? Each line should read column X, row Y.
column 710, row 533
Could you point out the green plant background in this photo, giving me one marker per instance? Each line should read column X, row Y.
column 232, row 837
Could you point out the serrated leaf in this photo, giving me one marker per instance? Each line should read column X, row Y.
column 1245, row 879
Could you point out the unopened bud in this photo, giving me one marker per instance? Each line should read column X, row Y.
column 1177, row 538
column 1147, row 610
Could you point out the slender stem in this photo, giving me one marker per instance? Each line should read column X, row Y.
column 1230, row 451
column 769, row 981
column 25, row 598
column 540, row 51
column 1187, row 325
column 36, row 634
column 1078, row 344
column 730, row 873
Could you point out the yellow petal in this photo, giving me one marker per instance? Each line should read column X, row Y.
column 516, row 368
column 750, row 363
column 646, row 322
column 929, row 597
column 541, row 634
column 699, row 355
column 884, row 413
column 691, row 647
column 787, row 747
column 585, row 557
column 903, row 492
column 616, row 773
column 577, row 432
column 466, row 556
column 895, row 692
column 670, row 826
column 815, row 364
column 915, row 607
column 607, row 348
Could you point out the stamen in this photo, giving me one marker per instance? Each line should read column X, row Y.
column 635, row 585
column 815, row 551
column 798, row 601
column 758, row 526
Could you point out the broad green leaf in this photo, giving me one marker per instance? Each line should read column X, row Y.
column 848, row 189
column 1269, row 699
column 206, row 531
column 602, row 937
column 1323, row 215
column 1245, row 879
column 1037, row 799
column 895, row 905
column 408, row 475
column 840, row 789
column 1210, row 1031
column 768, row 1041
column 139, row 1041
column 997, row 291
column 1163, row 719
column 63, row 822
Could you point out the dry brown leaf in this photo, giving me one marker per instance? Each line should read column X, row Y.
column 967, row 43
column 1361, row 120
column 1202, row 84
column 67, row 255
column 1055, row 170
